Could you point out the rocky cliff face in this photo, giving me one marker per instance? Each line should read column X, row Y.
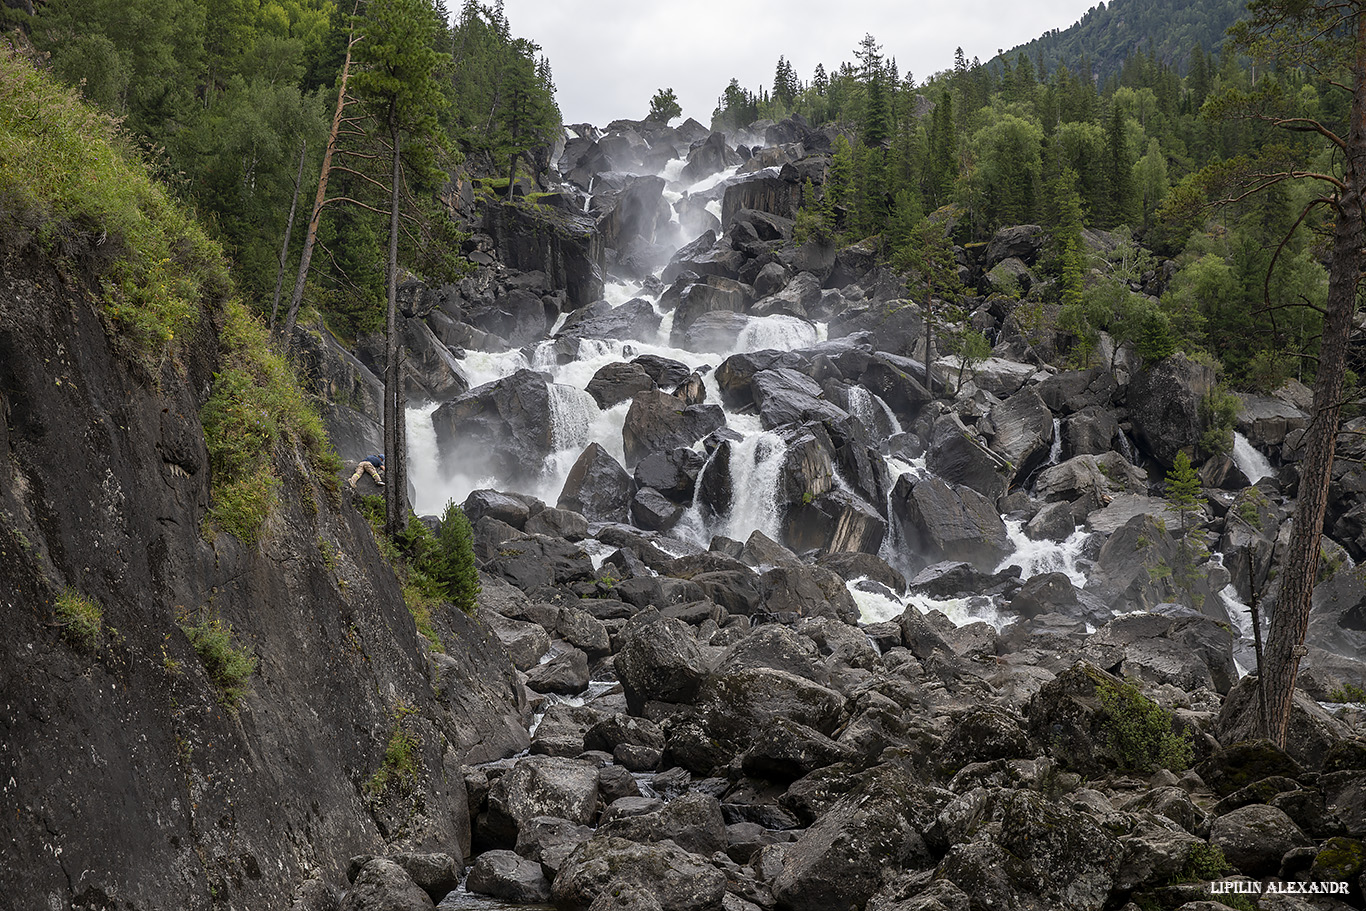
column 126, row 779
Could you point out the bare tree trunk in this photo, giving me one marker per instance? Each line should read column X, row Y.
column 395, row 433
column 1290, row 621
column 929, row 343
column 289, row 230
column 311, row 237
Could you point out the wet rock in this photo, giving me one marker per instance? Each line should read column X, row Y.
column 658, row 421
column 598, row 487
column 713, row 294
column 786, row 396
column 942, row 522
column 855, row 565
column 382, row 885
column 678, row 880
column 652, row 511
column 1021, row 431
column 959, row 457
column 504, row 874
column 807, row 591
column 618, row 382
column 618, row 729
column 834, row 521
column 708, row 158
column 504, row 426
column 503, row 507
column 673, row 473
column 1091, row 431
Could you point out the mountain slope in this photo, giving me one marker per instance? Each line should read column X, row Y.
column 1106, row 35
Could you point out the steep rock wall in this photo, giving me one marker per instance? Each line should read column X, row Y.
column 124, row 781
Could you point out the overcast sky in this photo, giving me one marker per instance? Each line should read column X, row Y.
column 609, row 56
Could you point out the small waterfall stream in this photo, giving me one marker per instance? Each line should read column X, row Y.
column 1250, row 462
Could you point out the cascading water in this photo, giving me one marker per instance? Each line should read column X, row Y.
column 1036, row 557
column 756, row 463
column 1250, row 462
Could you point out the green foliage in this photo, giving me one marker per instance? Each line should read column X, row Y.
column 81, row 619
column 1140, row 731
column 401, row 756
column 1348, row 692
column 664, row 106
column 454, row 567
column 228, row 665
column 1205, row 862
column 1219, row 415
column 255, row 404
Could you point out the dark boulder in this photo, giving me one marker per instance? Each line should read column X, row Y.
column 635, row 319
column 598, row 487
column 659, row 422
column 382, row 885
column 1164, row 406
column 659, row 660
column 942, row 522
column 673, row 472
column 615, row 383
column 541, row 786
column 676, row 879
column 503, row 874
column 564, row 245
column 503, row 427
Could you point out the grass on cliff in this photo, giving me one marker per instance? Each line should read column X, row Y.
column 228, row 665
column 81, row 619
column 72, row 183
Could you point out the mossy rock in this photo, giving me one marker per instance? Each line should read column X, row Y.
column 1339, row 860
column 1346, row 756
column 1242, row 764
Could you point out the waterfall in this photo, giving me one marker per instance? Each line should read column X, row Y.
column 1126, row 448
column 1036, row 557
column 1250, row 462
column 1240, row 615
column 756, row 464
column 779, row 333
column 868, row 408
column 962, row 611
column 1055, row 451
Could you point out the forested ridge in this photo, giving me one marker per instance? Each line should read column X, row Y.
column 1143, row 154
column 225, row 96
column 1110, row 34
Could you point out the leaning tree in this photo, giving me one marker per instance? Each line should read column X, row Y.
column 1327, row 40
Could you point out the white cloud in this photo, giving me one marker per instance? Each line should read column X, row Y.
column 609, row 56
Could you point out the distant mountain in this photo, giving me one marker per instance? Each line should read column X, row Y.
column 1106, row 35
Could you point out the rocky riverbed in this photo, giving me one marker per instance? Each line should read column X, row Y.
column 803, row 627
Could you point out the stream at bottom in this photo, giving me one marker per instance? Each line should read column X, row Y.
column 460, row 900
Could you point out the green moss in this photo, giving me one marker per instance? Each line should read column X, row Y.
column 227, row 664
column 1140, row 731
column 81, row 619
column 1340, row 859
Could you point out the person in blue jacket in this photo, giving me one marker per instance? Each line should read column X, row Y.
column 374, row 464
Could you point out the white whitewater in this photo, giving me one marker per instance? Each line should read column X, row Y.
column 1250, row 462
column 1037, row 557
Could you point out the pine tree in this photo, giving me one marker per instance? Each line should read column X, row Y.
column 400, row 82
